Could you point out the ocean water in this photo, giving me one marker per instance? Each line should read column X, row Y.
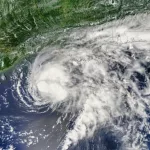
column 89, row 90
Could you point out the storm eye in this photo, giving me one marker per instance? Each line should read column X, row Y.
column 139, row 79
column 117, row 70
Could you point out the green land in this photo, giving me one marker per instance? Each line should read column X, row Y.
column 28, row 25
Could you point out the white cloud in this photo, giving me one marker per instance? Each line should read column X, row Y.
column 94, row 74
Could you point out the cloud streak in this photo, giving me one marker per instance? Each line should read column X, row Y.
column 99, row 73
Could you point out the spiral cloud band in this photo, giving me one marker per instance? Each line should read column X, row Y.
column 101, row 74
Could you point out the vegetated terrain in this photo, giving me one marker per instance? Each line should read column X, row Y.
column 24, row 23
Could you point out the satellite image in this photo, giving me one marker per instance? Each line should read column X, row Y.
column 74, row 75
